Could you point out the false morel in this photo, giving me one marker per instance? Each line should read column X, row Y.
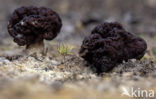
column 110, row 44
column 29, row 25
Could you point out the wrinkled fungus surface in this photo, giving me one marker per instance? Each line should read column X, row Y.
column 110, row 44
column 29, row 25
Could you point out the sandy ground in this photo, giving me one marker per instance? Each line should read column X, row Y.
column 52, row 76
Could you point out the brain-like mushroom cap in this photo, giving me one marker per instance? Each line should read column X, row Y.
column 109, row 44
column 33, row 24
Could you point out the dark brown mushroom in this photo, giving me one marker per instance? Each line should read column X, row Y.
column 110, row 44
column 31, row 25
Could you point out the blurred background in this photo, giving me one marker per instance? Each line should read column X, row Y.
column 79, row 16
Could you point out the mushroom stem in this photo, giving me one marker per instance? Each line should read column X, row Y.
column 36, row 48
